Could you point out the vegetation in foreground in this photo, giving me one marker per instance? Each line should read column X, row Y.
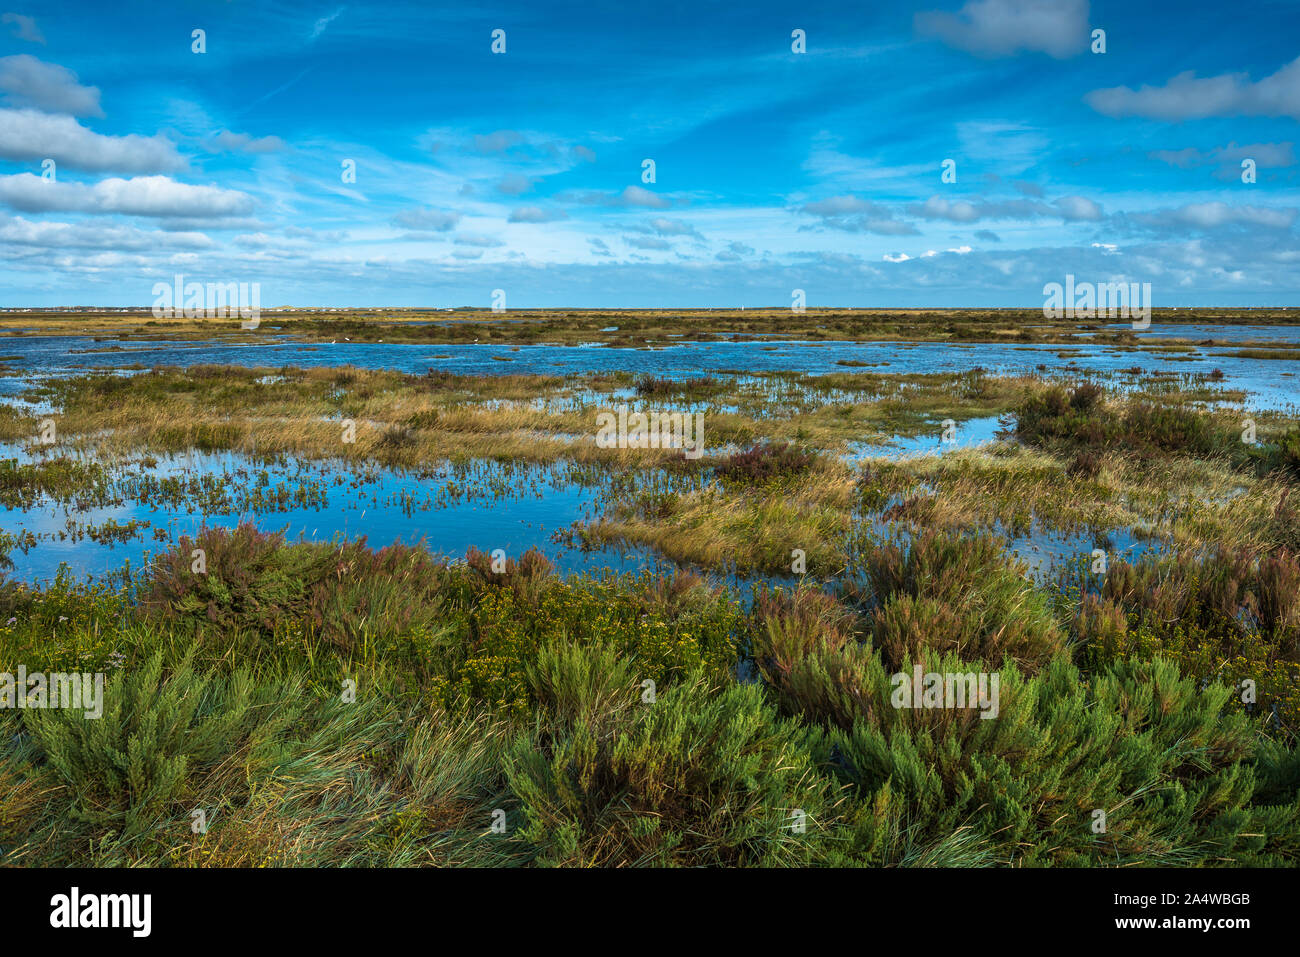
column 331, row 704
column 502, row 718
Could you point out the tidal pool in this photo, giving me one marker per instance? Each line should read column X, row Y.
column 146, row 505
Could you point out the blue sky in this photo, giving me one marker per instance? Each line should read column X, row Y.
column 774, row 170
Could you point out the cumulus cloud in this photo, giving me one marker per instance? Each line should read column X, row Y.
column 49, row 235
column 426, row 220
column 139, row 196
column 29, row 82
column 1188, row 97
column 855, row 215
column 535, row 214
column 1214, row 215
column 632, row 196
column 306, row 232
column 995, row 28
column 1077, row 208
column 661, row 226
column 1068, row 208
column 514, row 185
column 476, row 239
column 23, row 27
column 647, row 242
column 227, row 142
column 29, row 135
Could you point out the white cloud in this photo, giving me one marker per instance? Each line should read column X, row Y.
column 995, row 28
column 855, row 215
column 29, row 82
column 1068, row 208
column 228, row 142
column 1076, row 208
column 139, row 196
column 663, row 226
column 426, row 220
column 320, row 25
column 1188, row 97
column 647, row 242
column 515, row 184
column 632, row 196
column 535, row 214
column 1212, row 215
column 477, row 239
column 29, row 135
column 48, row 235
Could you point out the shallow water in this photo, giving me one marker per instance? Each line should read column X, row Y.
column 1273, row 383
column 484, row 506
column 1199, row 331
column 146, row 506
column 489, row 506
column 967, row 434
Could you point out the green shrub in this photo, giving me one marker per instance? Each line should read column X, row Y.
column 1076, row 418
column 705, row 776
column 1230, row 616
column 947, row 591
column 790, row 624
column 130, row 765
column 510, row 627
column 345, row 597
column 1173, row 775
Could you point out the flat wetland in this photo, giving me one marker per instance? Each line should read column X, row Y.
column 235, row 524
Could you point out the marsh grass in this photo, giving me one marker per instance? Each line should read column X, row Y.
column 478, row 694
column 515, row 697
column 1229, row 615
